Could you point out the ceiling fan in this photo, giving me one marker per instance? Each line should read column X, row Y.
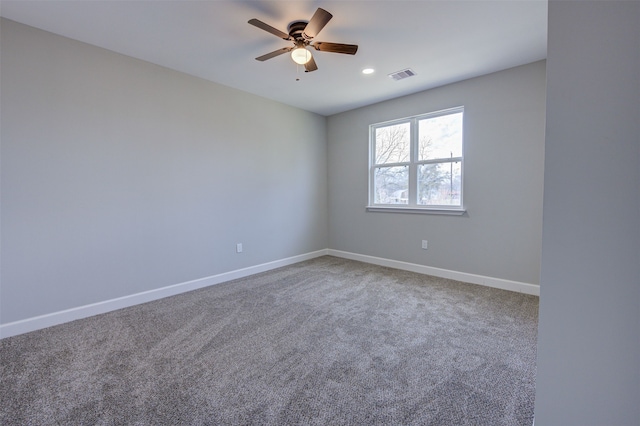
column 302, row 34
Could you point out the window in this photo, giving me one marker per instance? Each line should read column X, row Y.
column 416, row 163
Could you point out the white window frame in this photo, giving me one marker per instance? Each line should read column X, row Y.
column 413, row 163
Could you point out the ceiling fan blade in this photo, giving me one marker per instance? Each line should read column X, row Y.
column 310, row 66
column 323, row 46
column 274, row 54
column 268, row 28
column 317, row 23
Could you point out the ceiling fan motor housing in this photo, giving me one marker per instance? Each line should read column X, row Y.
column 296, row 30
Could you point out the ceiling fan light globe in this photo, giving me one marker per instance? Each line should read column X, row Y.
column 300, row 55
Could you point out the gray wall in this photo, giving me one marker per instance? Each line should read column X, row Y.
column 589, row 330
column 119, row 176
column 500, row 236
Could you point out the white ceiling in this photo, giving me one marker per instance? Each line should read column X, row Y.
column 441, row 41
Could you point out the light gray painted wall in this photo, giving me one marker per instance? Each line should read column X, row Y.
column 500, row 236
column 119, row 176
column 589, row 329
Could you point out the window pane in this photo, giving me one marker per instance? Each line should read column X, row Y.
column 391, row 185
column 392, row 143
column 440, row 137
column 439, row 184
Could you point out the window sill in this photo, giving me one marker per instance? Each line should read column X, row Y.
column 418, row 210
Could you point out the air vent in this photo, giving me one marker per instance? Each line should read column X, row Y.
column 399, row 75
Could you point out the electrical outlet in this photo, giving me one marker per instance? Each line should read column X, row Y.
column 239, row 248
column 425, row 244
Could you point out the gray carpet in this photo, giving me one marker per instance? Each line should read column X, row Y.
column 327, row 341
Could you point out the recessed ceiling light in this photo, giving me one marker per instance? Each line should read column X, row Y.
column 368, row 71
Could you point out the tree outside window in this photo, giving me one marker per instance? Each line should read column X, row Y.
column 417, row 161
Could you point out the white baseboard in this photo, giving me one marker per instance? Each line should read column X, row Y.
column 55, row 318
column 500, row 283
